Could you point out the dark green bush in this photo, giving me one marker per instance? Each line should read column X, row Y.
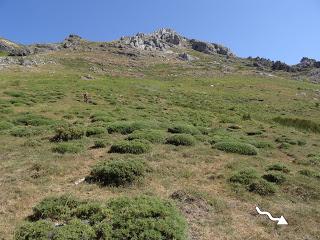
column 237, row 147
column 244, row 177
column 55, row 208
column 278, row 167
column 154, row 136
column 68, row 132
column 142, row 218
column 134, row 147
column 181, row 139
column 40, row 230
column 302, row 124
column 118, row 172
column 184, row 128
column 91, row 131
column 275, row 177
column 74, row 230
column 146, row 218
column 67, row 147
column 125, row 127
column 100, row 143
column 262, row 187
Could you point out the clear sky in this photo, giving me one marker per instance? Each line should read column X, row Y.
column 277, row 29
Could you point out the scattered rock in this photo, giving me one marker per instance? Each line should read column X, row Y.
column 186, row 57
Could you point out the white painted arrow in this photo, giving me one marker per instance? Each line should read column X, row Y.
column 281, row 220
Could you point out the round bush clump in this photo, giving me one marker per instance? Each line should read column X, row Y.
column 133, row 147
column 118, row 172
column 69, row 147
column 277, row 178
column 154, row 136
column 125, row 127
column 55, row 208
column 29, row 119
column 25, row 131
column 75, row 229
column 68, row 132
column 237, row 147
column 39, row 230
column 181, row 139
column 244, row 177
column 146, row 218
column 142, row 217
column 184, row 128
column 262, row 187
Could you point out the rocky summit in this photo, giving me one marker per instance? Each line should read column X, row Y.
column 164, row 43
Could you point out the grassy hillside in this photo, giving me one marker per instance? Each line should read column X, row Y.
column 212, row 139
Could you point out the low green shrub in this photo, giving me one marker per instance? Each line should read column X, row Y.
column 55, row 208
column 181, row 140
column 309, row 173
column 237, row 147
column 29, row 119
column 244, row 177
column 275, row 177
column 133, row 147
column 262, row 144
column 67, row 147
column 184, row 128
column 125, row 127
column 118, row 172
column 40, row 230
column 302, row 124
column 278, row 167
column 68, row 132
column 74, row 230
column 262, row 187
column 100, row 143
column 154, row 136
column 25, row 131
column 141, row 217
column 4, row 125
column 91, row 131
column 146, row 218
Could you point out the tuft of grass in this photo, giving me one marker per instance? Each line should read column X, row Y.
column 278, row 167
column 133, row 147
column 4, row 125
column 100, row 143
column 302, row 124
column 29, row 119
column 92, row 131
column 181, row 140
column 118, row 172
column 153, row 136
column 67, row 147
column 25, row 131
column 126, row 127
column 237, row 147
column 184, row 128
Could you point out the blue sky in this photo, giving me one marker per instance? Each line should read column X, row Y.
column 277, row 29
